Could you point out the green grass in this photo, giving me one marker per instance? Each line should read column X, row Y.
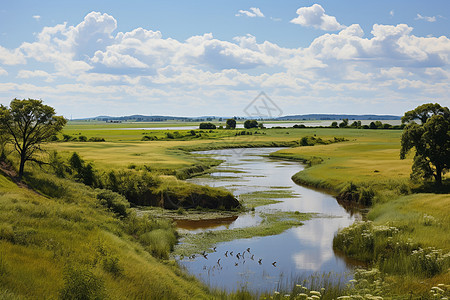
column 259, row 198
column 272, row 224
column 41, row 238
column 72, row 219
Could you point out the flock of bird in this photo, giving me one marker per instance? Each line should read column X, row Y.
column 241, row 256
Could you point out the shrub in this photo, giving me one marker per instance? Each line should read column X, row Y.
column 353, row 193
column 250, row 124
column 82, row 138
column 159, row 242
column 81, row 283
column 96, row 139
column 67, row 138
column 149, row 138
column 207, row 126
column 114, row 201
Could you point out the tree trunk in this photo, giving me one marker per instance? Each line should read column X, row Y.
column 438, row 176
column 22, row 166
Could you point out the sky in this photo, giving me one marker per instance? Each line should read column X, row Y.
column 198, row 58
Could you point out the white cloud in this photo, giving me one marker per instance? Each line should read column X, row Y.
column 315, row 16
column 37, row 17
column 391, row 13
column 9, row 57
column 428, row 19
column 92, row 60
column 252, row 13
column 25, row 74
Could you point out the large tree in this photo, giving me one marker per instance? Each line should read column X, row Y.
column 28, row 123
column 231, row 124
column 430, row 138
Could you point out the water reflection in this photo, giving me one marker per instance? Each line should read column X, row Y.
column 298, row 251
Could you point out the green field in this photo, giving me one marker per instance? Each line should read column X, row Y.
column 64, row 229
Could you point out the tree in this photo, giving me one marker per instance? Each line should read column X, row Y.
column 207, row 126
column 431, row 140
column 344, row 123
column 231, row 124
column 29, row 123
column 250, row 124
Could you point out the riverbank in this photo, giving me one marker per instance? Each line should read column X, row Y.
column 369, row 166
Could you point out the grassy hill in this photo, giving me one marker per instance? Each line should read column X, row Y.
column 68, row 246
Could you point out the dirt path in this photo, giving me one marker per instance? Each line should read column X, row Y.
column 9, row 171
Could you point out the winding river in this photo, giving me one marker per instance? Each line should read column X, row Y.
column 298, row 252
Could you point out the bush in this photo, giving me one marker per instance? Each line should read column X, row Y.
column 207, row 126
column 114, row 201
column 159, row 242
column 82, row 172
column 353, row 193
column 81, row 283
column 67, row 138
column 250, row 124
column 149, row 138
column 82, row 138
column 96, row 139
column 158, row 236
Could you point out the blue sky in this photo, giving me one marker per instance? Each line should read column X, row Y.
column 192, row 58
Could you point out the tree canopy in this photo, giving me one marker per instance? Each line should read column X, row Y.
column 430, row 138
column 250, row 124
column 27, row 124
column 231, row 124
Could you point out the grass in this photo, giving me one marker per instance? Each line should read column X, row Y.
column 43, row 238
column 47, row 235
column 259, row 198
column 272, row 224
column 369, row 157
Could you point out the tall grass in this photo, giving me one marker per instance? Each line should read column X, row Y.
column 385, row 248
column 70, row 246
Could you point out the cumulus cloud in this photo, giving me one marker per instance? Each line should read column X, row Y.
column 33, row 74
column 315, row 16
column 428, row 19
column 37, row 17
column 11, row 57
column 93, row 59
column 252, row 13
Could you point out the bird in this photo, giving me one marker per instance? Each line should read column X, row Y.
column 205, row 255
column 274, row 263
column 226, row 254
column 252, row 256
column 260, row 261
column 236, row 264
column 238, row 256
column 231, row 253
column 248, row 250
column 214, row 249
column 218, row 261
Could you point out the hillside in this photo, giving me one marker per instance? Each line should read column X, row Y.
column 81, row 247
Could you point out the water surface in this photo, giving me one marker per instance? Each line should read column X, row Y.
column 299, row 251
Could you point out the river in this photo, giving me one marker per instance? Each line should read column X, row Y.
column 298, row 252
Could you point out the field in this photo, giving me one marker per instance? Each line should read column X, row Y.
column 51, row 232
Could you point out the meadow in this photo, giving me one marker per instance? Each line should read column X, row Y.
column 65, row 231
